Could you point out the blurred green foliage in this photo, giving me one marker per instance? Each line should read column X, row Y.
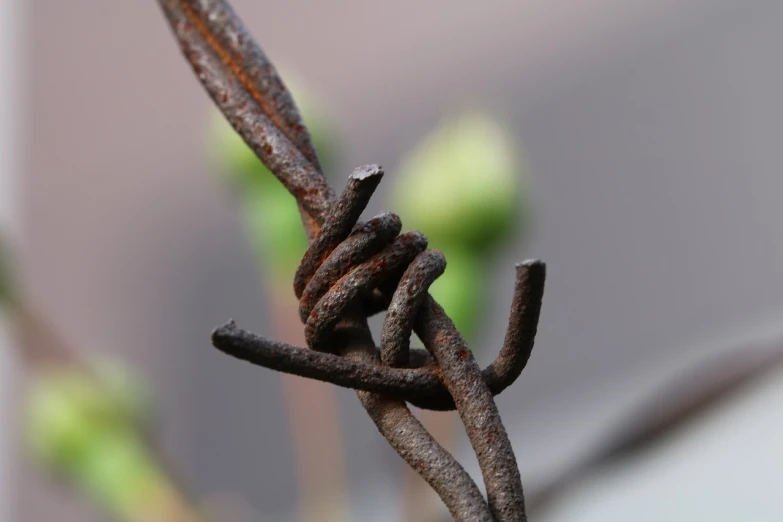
column 462, row 184
column 86, row 427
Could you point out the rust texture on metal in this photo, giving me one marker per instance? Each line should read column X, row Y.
column 353, row 270
column 360, row 246
column 248, row 91
column 352, row 202
column 404, row 306
column 420, row 383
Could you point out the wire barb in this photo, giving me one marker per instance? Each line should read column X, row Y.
column 420, row 383
column 364, row 242
column 351, row 271
column 361, row 186
column 405, row 304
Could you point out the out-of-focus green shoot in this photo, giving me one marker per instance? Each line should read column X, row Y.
column 463, row 186
column 86, row 428
column 272, row 221
column 85, row 423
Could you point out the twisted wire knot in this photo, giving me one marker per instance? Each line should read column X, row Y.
column 352, row 270
column 364, row 268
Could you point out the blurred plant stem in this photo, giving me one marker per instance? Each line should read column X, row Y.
column 273, row 228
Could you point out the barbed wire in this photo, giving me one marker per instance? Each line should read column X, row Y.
column 352, row 271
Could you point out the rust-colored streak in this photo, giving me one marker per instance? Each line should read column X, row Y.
column 228, row 60
column 311, row 224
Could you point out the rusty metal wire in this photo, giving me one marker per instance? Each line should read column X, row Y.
column 352, row 270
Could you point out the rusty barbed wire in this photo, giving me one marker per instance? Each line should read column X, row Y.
column 352, row 270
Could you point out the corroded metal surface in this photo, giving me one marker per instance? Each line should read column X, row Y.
column 352, row 271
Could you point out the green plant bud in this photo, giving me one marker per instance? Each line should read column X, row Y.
column 76, row 427
column 274, row 229
column 65, row 412
column 58, row 432
column 462, row 184
column 459, row 289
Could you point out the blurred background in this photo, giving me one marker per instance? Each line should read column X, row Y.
column 648, row 139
